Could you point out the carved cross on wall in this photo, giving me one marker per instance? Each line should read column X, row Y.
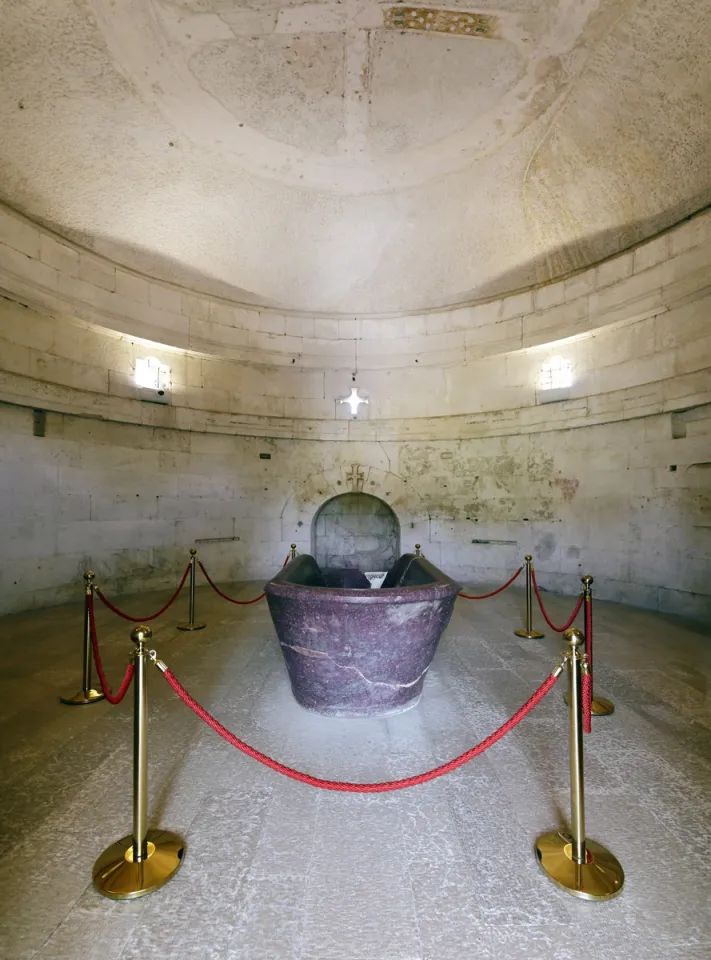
column 355, row 478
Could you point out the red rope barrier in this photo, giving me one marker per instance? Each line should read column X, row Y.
column 569, row 622
column 587, row 703
column 485, row 596
column 126, row 616
column 587, row 677
column 224, row 596
column 128, row 676
column 346, row 787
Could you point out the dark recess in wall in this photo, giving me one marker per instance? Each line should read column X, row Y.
column 39, row 422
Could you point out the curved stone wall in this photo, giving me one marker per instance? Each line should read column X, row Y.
column 633, row 321
column 612, row 479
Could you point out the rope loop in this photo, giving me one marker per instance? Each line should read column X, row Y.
column 126, row 616
column 574, row 614
column 242, row 603
column 485, row 596
column 128, row 676
column 588, row 675
column 344, row 786
column 587, row 702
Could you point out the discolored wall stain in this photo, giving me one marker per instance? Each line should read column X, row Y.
column 540, row 467
column 504, row 471
column 542, row 508
column 418, row 460
column 545, row 547
column 568, row 487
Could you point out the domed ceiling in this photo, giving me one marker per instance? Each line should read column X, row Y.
column 355, row 157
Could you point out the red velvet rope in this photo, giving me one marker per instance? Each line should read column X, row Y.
column 588, row 632
column 162, row 610
column 569, row 622
column 587, row 703
column 224, row 596
column 485, row 596
column 346, row 787
column 587, row 677
column 128, row 676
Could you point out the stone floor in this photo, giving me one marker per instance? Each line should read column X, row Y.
column 275, row 869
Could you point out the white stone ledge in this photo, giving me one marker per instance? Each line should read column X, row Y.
column 675, row 393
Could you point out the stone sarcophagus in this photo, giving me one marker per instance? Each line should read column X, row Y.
column 353, row 651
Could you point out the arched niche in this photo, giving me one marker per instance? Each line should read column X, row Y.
column 400, row 493
column 356, row 530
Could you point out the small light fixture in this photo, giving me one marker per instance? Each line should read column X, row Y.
column 354, row 401
column 557, row 373
column 152, row 374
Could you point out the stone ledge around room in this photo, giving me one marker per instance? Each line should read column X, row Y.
column 662, row 396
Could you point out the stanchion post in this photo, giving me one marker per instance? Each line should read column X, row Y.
column 293, row 552
column 528, row 632
column 599, row 706
column 146, row 859
column 191, row 624
column 580, row 866
column 418, row 552
column 87, row 694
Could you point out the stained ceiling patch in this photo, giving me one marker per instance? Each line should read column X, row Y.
column 451, row 22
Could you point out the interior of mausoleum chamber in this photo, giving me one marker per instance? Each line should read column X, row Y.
column 355, row 276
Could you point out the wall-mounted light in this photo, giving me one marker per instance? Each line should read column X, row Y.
column 153, row 380
column 556, row 373
column 152, row 374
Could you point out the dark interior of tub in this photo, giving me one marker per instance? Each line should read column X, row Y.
column 409, row 571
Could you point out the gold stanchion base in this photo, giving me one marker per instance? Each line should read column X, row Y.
column 191, row 626
column 82, row 698
column 529, row 634
column 116, row 876
column 601, row 878
column 599, row 706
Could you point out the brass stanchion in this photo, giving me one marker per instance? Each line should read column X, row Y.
column 87, row 694
column 191, row 625
column 146, row 859
column 580, row 866
column 528, row 632
column 599, row 706
column 293, row 551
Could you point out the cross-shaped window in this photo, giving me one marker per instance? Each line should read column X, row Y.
column 354, row 401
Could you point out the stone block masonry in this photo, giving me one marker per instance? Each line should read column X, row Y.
column 600, row 498
column 455, row 439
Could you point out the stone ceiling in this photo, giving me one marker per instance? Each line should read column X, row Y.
column 353, row 157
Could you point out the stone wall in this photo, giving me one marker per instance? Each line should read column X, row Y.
column 636, row 320
column 629, row 502
column 612, row 478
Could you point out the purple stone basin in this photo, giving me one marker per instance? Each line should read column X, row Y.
column 360, row 652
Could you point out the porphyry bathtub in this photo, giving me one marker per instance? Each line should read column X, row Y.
column 352, row 651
